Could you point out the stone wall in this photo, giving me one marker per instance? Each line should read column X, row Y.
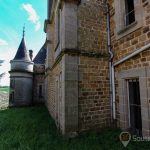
column 52, row 77
column 61, row 70
column 20, row 83
column 92, row 35
column 132, row 39
column 38, row 80
column 94, row 104
column 81, row 59
column 94, row 101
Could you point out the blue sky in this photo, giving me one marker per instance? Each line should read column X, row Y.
column 13, row 15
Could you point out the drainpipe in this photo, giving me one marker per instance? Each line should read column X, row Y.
column 111, row 67
column 113, row 93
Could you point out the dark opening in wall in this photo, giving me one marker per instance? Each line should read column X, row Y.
column 129, row 12
column 135, row 107
column 40, row 91
column 12, row 88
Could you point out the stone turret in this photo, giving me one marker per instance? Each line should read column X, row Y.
column 21, row 77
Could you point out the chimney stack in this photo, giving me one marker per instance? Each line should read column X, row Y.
column 31, row 54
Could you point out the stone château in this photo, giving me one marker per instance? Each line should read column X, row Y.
column 97, row 68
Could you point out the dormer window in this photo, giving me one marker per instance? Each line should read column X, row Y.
column 129, row 12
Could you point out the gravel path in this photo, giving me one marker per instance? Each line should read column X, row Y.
column 4, row 99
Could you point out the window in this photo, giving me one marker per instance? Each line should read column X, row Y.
column 57, row 28
column 60, row 85
column 129, row 14
column 135, row 107
column 58, row 25
column 12, row 86
column 40, row 91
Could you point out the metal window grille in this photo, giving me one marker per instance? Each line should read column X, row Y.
column 135, row 107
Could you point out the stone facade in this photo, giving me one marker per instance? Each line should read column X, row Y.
column 77, row 84
column 39, row 83
column 39, row 76
column 77, row 66
column 94, row 104
column 125, row 43
column 21, row 77
column 27, row 81
column 74, row 80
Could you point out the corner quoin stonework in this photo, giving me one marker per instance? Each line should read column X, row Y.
column 77, row 68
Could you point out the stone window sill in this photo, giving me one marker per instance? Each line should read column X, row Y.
column 127, row 28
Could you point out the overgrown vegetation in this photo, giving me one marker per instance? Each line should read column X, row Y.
column 33, row 129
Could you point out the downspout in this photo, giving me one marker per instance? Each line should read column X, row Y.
column 111, row 65
column 111, row 68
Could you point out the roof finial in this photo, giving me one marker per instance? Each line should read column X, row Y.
column 23, row 31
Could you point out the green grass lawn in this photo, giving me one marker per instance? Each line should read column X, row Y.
column 4, row 89
column 33, row 129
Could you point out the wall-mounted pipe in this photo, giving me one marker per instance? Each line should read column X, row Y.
column 132, row 55
column 113, row 92
column 111, row 68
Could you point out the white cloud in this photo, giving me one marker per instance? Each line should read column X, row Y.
column 7, row 56
column 33, row 16
column 3, row 42
column 4, row 69
column 38, row 26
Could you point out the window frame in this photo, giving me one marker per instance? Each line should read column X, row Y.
column 133, row 105
column 121, row 29
column 58, row 28
column 128, row 13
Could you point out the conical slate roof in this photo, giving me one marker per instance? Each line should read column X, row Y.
column 41, row 56
column 22, row 52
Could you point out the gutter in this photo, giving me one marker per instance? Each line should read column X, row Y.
column 111, row 68
column 136, row 52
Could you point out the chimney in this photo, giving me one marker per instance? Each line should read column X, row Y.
column 31, row 54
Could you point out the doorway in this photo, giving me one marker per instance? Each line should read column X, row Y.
column 135, row 119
